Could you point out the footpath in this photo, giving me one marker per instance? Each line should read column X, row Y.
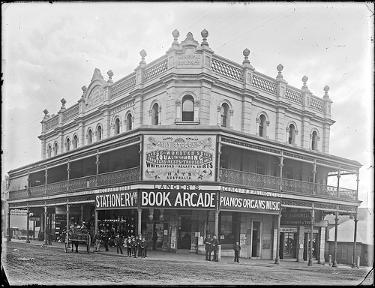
column 191, row 257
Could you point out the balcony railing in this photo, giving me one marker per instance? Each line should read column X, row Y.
column 256, row 181
column 92, row 181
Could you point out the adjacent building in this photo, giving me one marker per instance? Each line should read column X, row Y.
column 187, row 145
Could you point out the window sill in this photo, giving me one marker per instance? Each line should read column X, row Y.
column 186, row 122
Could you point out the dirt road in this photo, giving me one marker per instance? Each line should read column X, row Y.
column 30, row 264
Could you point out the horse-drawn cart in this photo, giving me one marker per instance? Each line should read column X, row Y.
column 77, row 236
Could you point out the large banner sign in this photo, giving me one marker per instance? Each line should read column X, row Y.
column 179, row 158
column 181, row 199
column 243, row 202
column 124, row 199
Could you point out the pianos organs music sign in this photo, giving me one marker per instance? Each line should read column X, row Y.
column 179, row 158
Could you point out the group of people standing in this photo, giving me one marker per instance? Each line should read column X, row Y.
column 211, row 244
column 135, row 245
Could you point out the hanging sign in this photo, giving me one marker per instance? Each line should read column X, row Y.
column 179, row 158
column 181, row 199
column 244, row 202
column 124, row 199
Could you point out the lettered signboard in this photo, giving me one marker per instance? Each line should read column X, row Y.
column 183, row 158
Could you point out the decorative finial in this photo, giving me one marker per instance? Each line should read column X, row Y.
column 45, row 111
column 84, row 88
column 189, row 36
column 110, row 74
column 326, row 89
column 246, row 53
column 204, row 34
column 279, row 69
column 63, row 101
column 304, row 80
column 175, row 35
column 143, row 55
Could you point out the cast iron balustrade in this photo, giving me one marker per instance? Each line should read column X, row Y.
column 57, row 188
column 249, row 179
column 81, row 183
column 18, row 194
column 121, row 176
column 37, row 191
column 259, row 181
column 92, row 181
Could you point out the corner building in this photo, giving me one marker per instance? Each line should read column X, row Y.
column 189, row 144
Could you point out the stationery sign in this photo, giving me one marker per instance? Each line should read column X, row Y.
column 179, row 158
column 125, row 199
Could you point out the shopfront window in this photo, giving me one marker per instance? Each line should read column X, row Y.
column 226, row 228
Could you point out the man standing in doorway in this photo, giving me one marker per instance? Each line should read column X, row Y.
column 207, row 247
column 215, row 246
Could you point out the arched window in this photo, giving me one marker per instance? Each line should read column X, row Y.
column 99, row 133
column 117, row 126
column 224, row 113
column 55, row 149
column 75, row 142
column 292, row 134
column 262, row 125
column 67, row 144
column 89, row 136
column 129, row 122
column 49, row 151
column 188, row 108
column 314, row 140
column 155, row 114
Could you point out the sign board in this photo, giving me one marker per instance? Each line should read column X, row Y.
column 296, row 217
column 180, row 199
column 125, row 199
column 246, row 202
column 288, row 229
column 184, row 158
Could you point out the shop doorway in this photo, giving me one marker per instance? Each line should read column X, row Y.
column 184, row 233
column 315, row 246
column 288, row 247
column 255, row 243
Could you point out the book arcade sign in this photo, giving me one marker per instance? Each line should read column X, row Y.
column 179, row 158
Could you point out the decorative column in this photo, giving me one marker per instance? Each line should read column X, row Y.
column 9, row 232
column 67, row 217
column 96, row 221
column 314, row 178
column 27, row 225
column 335, row 247
column 218, row 159
column 354, row 265
column 81, row 216
column 277, row 258
column 139, row 227
column 45, row 225
column 217, row 223
column 97, row 162
column 45, row 181
column 338, row 184
column 356, row 194
column 311, row 236
column 281, row 170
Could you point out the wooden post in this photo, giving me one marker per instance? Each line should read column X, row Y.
column 218, row 159
column 9, row 231
column 27, row 225
column 45, row 225
column 277, row 258
column 311, row 237
column 97, row 162
column 354, row 265
column 335, row 247
column 139, row 221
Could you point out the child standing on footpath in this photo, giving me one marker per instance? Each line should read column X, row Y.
column 236, row 248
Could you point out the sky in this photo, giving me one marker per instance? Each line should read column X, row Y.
column 49, row 51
